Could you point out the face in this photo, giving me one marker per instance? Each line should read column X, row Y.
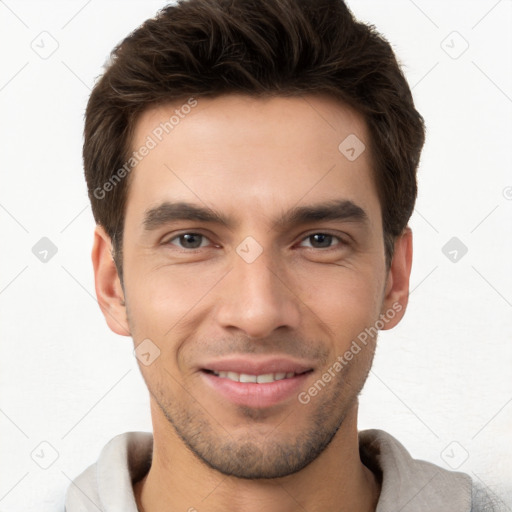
column 253, row 259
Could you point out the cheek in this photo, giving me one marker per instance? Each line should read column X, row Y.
column 345, row 299
column 161, row 299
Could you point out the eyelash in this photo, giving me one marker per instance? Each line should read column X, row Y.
column 341, row 241
column 190, row 250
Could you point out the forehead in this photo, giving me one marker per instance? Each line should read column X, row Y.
column 250, row 153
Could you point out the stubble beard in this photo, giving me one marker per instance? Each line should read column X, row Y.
column 278, row 453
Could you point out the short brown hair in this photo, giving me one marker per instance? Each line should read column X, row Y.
column 260, row 48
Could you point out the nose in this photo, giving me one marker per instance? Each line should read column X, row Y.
column 256, row 299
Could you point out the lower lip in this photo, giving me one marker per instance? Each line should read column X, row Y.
column 251, row 394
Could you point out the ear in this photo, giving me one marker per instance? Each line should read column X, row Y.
column 396, row 295
column 109, row 291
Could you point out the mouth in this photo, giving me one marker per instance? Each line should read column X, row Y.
column 255, row 383
column 264, row 378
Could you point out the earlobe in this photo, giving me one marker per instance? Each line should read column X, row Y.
column 397, row 286
column 109, row 291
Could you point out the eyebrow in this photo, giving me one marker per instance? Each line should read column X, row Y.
column 170, row 212
column 340, row 210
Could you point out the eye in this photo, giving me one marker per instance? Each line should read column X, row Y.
column 189, row 241
column 321, row 241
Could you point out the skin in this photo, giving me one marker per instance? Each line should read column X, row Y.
column 252, row 161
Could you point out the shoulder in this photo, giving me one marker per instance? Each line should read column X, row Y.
column 107, row 484
column 412, row 484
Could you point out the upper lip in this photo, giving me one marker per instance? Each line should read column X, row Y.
column 257, row 366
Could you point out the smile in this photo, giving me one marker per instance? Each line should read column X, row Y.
column 258, row 389
column 259, row 379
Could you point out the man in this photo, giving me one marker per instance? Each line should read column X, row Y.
column 252, row 168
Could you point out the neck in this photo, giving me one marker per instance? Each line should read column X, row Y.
column 337, row 480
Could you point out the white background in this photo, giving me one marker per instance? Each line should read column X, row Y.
column 442, row 380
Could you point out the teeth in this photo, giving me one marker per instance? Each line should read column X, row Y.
column 244, row 377
column 268, row 377
column 260, row 379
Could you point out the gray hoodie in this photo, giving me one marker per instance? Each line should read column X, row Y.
column 408, row 485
